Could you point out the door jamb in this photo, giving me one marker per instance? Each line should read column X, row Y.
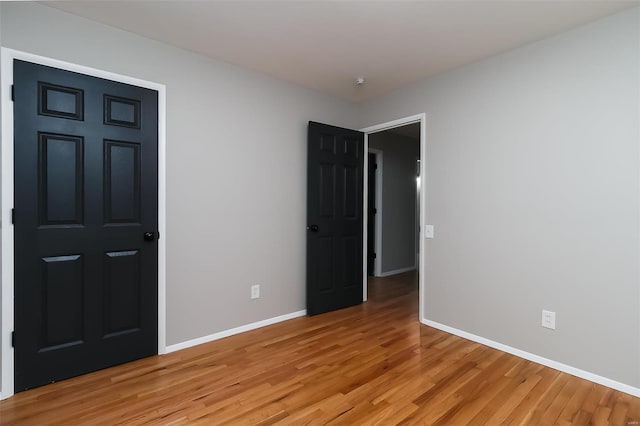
column 418, row 118
column 6, row 201
column 377, row 244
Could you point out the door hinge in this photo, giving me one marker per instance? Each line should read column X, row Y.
column 375, row 166
column 13, row 216
column 375, row 211
column 13, row 339
column 374, row 255
column 13, row 93
column 158, row 234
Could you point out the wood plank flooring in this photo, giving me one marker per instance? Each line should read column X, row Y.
column 372, row 364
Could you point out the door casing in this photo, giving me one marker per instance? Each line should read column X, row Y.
column 418, row 118
column 6, row 201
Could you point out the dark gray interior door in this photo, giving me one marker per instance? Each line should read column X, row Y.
column 86, row 209
column 334, row 218
column 371, row 214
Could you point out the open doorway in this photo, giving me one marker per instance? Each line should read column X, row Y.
column 392, row 235
column 394, row 200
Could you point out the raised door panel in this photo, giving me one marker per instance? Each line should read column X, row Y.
column 122, row 288
column 122, row 182
column 61, row 180
column 327, row 190
column 350, row 190
column 328, row 144
column 60, row 101
column 352, row 148
column 120, row 111
column 350, row 264
column 62, row 294
column 325, row 256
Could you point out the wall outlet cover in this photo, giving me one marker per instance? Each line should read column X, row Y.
column 548, row 319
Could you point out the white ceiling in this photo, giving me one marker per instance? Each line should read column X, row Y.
column 325, row 45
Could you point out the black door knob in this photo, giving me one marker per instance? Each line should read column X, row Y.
column 312, row 228
column 149, row 236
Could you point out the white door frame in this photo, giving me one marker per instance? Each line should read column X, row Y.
column 377, row 244
column 6, row 201
column 418, row 118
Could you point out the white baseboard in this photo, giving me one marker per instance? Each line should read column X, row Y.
column 397, row 271
column 232, row 331
column 622, row 387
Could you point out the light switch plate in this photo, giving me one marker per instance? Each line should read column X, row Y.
column 428, row 231
column 255, row 291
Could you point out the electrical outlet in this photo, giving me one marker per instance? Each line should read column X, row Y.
column 255, row 291
column 549, row 319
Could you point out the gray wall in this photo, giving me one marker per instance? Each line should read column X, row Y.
column 532, row 185
column 236, row 168
column 398, row 199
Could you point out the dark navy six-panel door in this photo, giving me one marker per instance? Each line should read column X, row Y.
column 86, row 192
column 334, row 218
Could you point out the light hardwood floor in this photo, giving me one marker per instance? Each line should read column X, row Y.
column 370, row 364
